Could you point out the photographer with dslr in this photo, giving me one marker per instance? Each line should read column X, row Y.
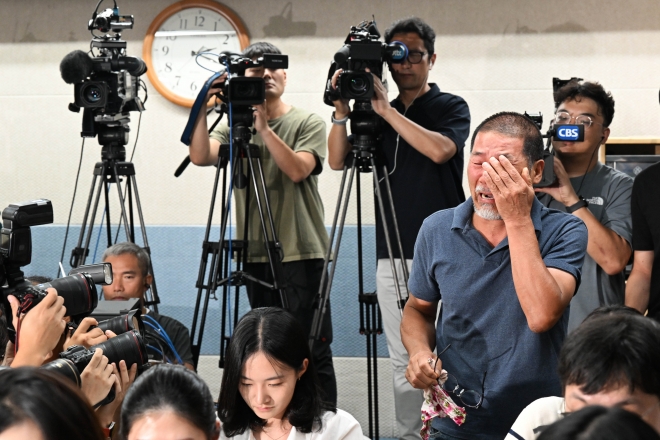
column 422, row 145
column 596, row 193
column 131, row 279
column 292, row 145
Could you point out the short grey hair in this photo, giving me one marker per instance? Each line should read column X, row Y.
column 130, row 248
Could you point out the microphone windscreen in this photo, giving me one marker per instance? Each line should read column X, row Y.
column 75, row 67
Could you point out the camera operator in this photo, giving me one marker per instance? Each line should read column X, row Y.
column 425, row 131
column 131, row 279
column 292, row 144
column 596, row 193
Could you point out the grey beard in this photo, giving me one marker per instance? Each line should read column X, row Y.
column 486, row 213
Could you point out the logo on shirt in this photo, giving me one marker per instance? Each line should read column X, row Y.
column 596, row 201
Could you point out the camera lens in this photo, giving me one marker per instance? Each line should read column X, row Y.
column 128, row 346
column 358, row 85
column 93, row 94
column 122, row 324
column 78, row 291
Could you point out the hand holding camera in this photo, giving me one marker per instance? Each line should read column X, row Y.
column 87, row 334
column 39, row 331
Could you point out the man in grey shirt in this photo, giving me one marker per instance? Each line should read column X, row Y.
column 596, row 193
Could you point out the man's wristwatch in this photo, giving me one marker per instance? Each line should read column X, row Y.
column 580, row 204
column 339, row 121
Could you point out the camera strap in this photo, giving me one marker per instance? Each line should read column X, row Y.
column 186, row 137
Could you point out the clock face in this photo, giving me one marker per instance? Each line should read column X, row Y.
column 177, row 42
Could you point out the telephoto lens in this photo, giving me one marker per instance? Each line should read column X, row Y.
column 124, row 323
column 78, row 291
column 66, row 368
column 128, row 347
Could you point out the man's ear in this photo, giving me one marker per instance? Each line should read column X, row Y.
column 537, row 171
column 147, row 281
column 606, row 135
column 431, row 61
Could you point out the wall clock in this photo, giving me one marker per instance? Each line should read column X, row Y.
column 178, row 34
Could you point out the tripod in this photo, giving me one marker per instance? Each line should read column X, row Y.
column 222, row 251
column 110, row 170
column 362, row 159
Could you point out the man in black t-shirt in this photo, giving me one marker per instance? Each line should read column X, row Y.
column 131, row 279
column 643, row 286
column 422, row 147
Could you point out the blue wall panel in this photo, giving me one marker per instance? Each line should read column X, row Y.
column 176, row 253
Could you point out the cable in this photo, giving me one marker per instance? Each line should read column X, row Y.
column 151, row 322
column 398, row 136
column 75, row 188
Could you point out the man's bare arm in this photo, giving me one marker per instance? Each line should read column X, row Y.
column 638, row 287
column 544, row 293
column 418, row 336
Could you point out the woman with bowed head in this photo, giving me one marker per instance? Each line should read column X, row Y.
column 269, row 386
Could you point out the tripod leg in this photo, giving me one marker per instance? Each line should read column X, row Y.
column 79, row 254
column 273, row 246
column 404, row 266
column 325, row 288
column 381, row 209
column 143, row 230
column 121, row 201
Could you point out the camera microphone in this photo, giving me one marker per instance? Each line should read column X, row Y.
column 76, row 66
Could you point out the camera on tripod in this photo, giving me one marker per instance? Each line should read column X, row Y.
column 78, row 290
column 106, row 85
column 362, row 50
column 559, row 132
column 242, row 92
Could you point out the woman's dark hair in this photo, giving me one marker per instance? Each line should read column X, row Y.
column 49, row 401
column 416, row 25
column 599, row 423
column 615, row 349
column 278, row 335
column 169, row 387
column 574, row 90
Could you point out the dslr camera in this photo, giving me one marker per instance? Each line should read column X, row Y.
column 78, row 289
column 362, row 50
column 105, row 84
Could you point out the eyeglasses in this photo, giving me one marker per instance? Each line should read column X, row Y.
column 415, row 57
column 566, row 118
column 469, row 398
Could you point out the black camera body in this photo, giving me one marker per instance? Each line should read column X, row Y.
column 78, row 290
column 362, row 50
column 106, row 83
column 242, row 91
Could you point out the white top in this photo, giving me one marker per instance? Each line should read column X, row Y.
column 538, row 414
column 336, row 426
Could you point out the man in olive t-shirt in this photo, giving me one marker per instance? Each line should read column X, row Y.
column 292, row 145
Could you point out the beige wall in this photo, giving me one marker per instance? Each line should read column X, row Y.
column 498, row 55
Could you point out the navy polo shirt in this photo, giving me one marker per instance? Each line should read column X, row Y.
column 481, row 317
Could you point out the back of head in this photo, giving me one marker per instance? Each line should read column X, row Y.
column 278, row 335
column 612, row 350
column 514, row 125
column 132, row 249
column 44, row 398
column 416, row 25
column 166, row 387
column 600, row 423
column 258, row 49
column 574, row 90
